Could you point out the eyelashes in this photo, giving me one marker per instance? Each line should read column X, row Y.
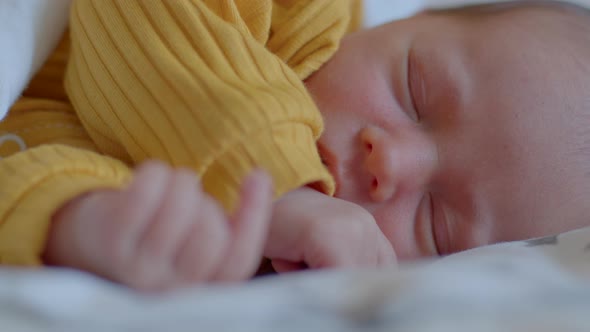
column 434, row 226
column 425, row 227
column 415, row 84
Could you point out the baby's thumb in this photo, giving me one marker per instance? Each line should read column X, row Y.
column 250, row 224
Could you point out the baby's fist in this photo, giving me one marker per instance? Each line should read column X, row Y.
column 318, row 231
column 162, row 231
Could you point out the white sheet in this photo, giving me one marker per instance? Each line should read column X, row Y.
column 30, row 30
column 539, row 285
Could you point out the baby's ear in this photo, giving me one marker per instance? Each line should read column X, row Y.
column 29, row 31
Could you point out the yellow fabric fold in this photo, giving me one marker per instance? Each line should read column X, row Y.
column 28, row 196
column 215, row 85
column 191, row 81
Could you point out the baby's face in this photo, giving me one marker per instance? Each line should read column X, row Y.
column 457, row 133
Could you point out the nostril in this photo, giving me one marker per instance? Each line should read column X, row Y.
column 374, row 184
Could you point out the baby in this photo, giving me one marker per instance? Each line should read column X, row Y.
column 446, row 131
column 465, row 127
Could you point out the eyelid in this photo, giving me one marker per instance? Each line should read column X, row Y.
column 433, row 225
column 411, row 81
column 425, row 233
column 439, row 229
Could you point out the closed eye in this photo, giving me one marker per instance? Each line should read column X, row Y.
column 439, row 228
column 425, row 233
column 415, row 85
column 433, row 225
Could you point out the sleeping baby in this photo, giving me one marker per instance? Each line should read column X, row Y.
column 446, row 131
column 464, row 127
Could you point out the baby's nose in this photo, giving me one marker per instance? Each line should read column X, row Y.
column 403, row 159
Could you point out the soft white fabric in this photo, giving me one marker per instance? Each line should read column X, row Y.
column 29, row 31
column 537, row 285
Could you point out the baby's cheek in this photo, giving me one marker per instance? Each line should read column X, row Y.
column 398, row 227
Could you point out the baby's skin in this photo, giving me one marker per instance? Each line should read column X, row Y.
column 445, row 131
column 164, row 232
column 462, row 128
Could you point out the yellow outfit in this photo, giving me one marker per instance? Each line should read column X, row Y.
column 215, row 85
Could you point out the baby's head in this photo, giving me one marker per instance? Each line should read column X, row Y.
column 463, row 127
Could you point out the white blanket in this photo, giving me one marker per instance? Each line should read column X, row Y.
column 539, row 285
column 29, row 31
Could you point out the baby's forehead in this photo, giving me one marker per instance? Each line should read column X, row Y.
column 552, row 23
column 514, row 7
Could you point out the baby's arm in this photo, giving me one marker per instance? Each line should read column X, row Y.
column 196, row 83
column 103, row 209
column 162, row 231
column 35, row 183
column 318, row 231
column 87, row 232
column 200, row 85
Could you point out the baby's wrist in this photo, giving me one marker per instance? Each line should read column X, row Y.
column 61, row 233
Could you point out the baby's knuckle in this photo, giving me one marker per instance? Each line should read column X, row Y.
column 143, row 274
column 217, row 234
column 158, row 242
column 116, row 250
column 214, row 226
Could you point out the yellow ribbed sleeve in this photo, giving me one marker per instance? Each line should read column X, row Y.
column 213, row 85
column 46, row 159
column 35, row 183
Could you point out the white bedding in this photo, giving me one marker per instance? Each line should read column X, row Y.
column 540, row 285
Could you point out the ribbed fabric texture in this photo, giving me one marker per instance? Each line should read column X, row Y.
column 59, row 164
column 28, row 196
column 213, row 85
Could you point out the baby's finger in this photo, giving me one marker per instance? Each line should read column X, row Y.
column 250, row 225
column 159, row 242
column 131, row 210
column 202, row 250
column 141, row 199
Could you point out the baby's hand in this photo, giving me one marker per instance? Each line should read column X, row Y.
column 318, row 231
column 163, row 231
